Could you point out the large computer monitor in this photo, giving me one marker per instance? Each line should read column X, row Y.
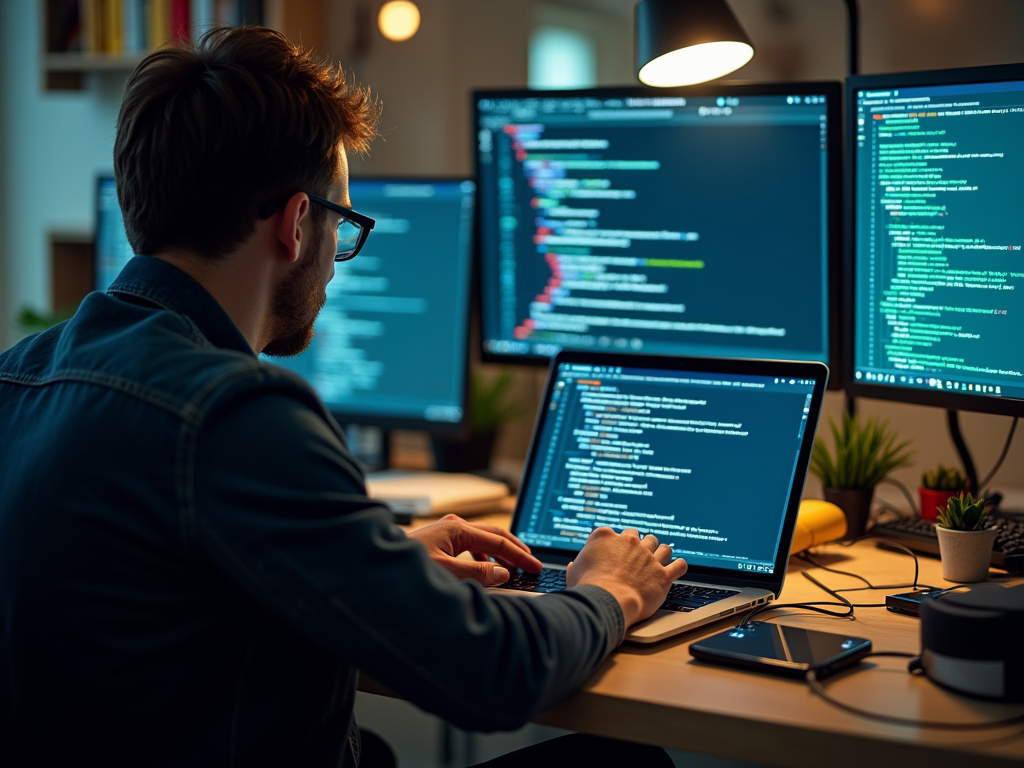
column 112, row 248
column 391, row 345
column 697, row 221
column 936, row 290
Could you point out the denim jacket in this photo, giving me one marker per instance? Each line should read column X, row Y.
column 191, row 572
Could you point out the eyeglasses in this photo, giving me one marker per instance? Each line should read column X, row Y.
column 353, row 229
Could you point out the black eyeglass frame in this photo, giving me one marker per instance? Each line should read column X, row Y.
column 365, row 223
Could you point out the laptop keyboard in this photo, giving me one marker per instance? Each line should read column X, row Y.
column 682, row 598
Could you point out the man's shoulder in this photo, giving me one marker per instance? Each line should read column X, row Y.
column 148, row 353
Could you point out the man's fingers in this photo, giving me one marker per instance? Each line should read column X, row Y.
column 479, row 541
column 663, row 553
column 676, row 569
column 650, row 541
column 631, row 532
column 501, row 532
column 487, row 573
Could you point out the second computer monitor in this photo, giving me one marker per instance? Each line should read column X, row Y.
column 390, row 345
column 702, row 221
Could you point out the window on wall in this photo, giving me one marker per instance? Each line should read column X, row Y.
column 560, row 57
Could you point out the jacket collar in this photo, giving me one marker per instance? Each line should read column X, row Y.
column 164, row 285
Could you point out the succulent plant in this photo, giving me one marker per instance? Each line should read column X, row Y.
column 963, row 513
column 944, row 478
column 863, row 454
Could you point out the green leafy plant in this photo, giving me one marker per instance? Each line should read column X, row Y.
column 863, row 454
column 492, row 403
column 963, row 513
column 32, row 321
column 944, row 478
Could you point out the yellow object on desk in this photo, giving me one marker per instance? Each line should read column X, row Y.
column 816, row 523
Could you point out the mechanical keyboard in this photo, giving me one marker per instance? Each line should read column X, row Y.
column 919, row 535
column 682, row 598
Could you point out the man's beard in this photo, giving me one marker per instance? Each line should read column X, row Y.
column 296, row 304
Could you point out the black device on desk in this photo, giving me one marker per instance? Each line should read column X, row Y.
column 690, row 221
column 780, row 650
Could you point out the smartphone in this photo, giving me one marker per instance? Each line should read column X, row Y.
column 908, row 603
column 781, row 650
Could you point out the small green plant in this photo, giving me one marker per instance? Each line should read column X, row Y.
column 944, row 478
column 963, row 513
column 32, row 321
column 863, row 454
column 492, row 404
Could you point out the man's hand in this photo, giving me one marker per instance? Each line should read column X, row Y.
column 636, row 571
column 450, row 536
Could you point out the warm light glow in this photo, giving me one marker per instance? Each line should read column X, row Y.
column 399, row 20
column 695, row 64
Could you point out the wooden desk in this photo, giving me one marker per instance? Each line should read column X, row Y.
column 660, row 695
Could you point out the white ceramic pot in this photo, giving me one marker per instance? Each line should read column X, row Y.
column 965, row 554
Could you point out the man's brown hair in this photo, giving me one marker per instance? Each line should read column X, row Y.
column 211, row 131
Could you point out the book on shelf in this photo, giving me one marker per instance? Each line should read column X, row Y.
column 132, row 27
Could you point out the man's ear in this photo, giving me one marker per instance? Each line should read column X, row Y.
column 289, row 228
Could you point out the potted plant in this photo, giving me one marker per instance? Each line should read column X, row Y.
column 862, row 455
column 965, row 539
column 937, row 487
column 491, row 406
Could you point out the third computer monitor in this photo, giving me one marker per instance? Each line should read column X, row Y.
column 937, row 197
column 699, row 221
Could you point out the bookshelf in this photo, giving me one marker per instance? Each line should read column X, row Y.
column 82, row 37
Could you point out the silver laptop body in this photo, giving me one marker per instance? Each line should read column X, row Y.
column 709, row 455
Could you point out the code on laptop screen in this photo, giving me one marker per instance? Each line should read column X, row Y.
column 706, row 462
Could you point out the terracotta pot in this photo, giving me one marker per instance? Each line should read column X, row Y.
column 965, row 554
column 932, row 501
column 856, row 505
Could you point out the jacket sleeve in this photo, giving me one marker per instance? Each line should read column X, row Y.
column 282, row 510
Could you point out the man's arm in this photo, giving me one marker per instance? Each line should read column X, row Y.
column 281, row 512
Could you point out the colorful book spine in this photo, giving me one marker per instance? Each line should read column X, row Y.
column 113, row 36
column 180, row 26
column 158, row 20
column 133, row 26
column 203, row 18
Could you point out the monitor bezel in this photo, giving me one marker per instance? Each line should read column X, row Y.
column 950, row 400
column 441, row 428
column 797, row 369
column 833, row 91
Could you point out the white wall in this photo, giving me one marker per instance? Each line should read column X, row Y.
column 54, row 143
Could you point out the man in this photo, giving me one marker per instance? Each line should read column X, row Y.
column 190, row 570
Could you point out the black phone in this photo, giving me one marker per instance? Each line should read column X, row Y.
column 781, row 650
column 908, row 603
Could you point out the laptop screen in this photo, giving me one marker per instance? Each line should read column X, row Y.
column 705, row 461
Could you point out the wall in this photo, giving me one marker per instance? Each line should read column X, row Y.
column 54, row 144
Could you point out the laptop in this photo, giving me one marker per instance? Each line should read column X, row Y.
column 709, row 455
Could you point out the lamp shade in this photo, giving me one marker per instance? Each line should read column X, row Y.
column 681, row 42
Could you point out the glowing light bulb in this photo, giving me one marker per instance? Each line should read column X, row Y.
column 696, row 64
column 399, row 20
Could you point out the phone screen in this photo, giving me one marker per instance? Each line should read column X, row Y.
column 759, row 644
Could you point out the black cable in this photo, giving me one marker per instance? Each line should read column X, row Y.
column 815, row 685
column 906, row 494
column 953, row 421
column 999, row 462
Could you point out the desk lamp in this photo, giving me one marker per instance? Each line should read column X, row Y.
column 683, row 42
